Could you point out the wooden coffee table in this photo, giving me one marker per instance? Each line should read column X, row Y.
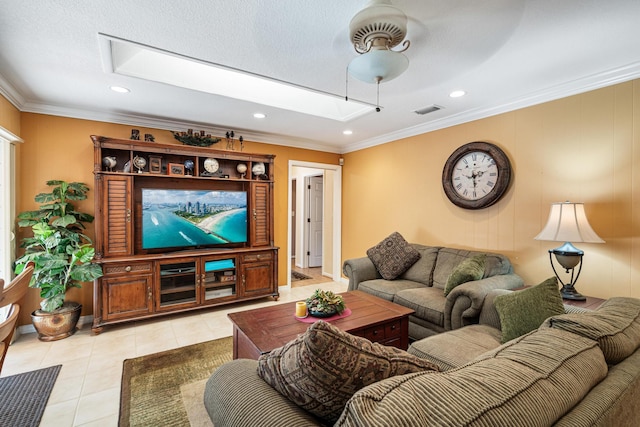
column 259, row 331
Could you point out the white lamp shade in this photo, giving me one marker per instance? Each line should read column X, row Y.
column 568, row 223
column 378, row 65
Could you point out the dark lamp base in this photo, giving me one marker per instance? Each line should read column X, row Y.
column 569, row 292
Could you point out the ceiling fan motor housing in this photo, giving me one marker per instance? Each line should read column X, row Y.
column 379, row 23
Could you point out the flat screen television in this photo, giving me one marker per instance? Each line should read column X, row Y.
column 192, row 218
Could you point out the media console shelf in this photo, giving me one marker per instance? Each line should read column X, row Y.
column 143, row 281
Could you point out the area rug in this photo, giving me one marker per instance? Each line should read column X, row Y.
column 298, row 276
column 167, row 388
column 23, row 397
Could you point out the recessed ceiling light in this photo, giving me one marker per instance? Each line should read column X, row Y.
column 457, row 93
column 119, row 89
column 259, row 115
column 347, row 132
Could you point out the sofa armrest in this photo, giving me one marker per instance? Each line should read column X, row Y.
column 464, row 302
column 359, row 270
column 236, row 396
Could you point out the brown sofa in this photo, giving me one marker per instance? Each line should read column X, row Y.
column 561, row 374
column 421, row 287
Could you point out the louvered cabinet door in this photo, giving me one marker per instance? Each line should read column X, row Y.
column 260, row 215
column 116, row 210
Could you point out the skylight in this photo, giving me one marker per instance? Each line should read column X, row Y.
column 135, row 60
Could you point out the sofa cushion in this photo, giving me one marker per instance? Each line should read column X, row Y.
column 422, row 270
column 387, row 289
column 455, row 348
column 468, row 270
column 548, row 371
column 615, row 325
column 523, row 311
column 393, row 256
column 322, row 368
column 449, row 258
column 427, row 302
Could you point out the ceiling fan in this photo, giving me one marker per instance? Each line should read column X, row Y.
column 374, row 32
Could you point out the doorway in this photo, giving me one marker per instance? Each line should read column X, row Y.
column 326, row 183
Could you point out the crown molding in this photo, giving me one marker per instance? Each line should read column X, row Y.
column 10, row 93
column 167, row 124
column 574, row 87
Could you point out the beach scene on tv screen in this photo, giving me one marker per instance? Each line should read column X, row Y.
column 178, row 218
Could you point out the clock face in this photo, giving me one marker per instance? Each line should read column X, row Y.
column 211, row 165
column 476, row 175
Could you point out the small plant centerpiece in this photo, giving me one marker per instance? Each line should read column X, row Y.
column 62, row 256
column 325, row 304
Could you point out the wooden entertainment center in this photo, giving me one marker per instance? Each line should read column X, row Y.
column 142, row 282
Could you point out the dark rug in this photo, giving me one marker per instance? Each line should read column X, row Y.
column 23, row 397
column 152, row 385
column 298, row 276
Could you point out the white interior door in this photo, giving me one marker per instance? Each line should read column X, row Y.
column 314, row 220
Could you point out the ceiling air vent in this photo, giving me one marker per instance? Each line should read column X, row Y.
column 430, row 109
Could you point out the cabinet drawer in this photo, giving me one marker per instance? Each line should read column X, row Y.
column 262, row 256
column 375, row 333
column 393, row 329
column 127, row 267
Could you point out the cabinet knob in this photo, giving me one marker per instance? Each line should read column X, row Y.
column 128, row 217
column 127, row 268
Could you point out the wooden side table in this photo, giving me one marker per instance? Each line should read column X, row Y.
column 591, row 303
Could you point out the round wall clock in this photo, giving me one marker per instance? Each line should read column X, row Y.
column 211, row 165
column 476, row 175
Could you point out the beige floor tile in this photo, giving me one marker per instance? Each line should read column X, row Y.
column 59, row 414
column 96, row 406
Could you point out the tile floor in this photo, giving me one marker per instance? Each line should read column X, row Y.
column 87, row 391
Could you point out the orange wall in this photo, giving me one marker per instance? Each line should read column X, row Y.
column 60, row 148
column 584, row 148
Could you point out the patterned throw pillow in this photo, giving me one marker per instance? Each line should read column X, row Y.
column 523, row 311
column 322, row 368
column 393, row 256
column 468, row 270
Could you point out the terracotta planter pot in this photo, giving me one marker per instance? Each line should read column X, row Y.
column 58, row 324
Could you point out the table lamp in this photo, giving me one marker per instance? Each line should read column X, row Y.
column 568, row 223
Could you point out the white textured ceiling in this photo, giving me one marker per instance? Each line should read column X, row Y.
column 505, row 54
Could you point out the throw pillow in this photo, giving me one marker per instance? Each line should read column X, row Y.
column 468, row 270
column 393, row 256
column 322, row 368
column 523, row 311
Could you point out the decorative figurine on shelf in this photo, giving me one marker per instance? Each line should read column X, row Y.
column 109, row 162
column 242, row 169
column 241, row 139
column 230, row 136
column 135, row 134
column 139, row 163
column 188, row 167
column 149, row 137
column 198, row 139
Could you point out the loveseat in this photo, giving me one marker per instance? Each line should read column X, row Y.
column 421, row 287
column 577, row 369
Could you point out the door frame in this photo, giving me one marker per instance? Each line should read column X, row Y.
column 336, row 214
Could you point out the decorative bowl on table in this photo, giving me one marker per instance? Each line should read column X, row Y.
column 324, row 304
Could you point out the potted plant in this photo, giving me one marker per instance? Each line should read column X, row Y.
column 325, row 304
column 61, row 254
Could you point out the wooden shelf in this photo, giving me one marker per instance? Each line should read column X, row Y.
column 147, row 289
